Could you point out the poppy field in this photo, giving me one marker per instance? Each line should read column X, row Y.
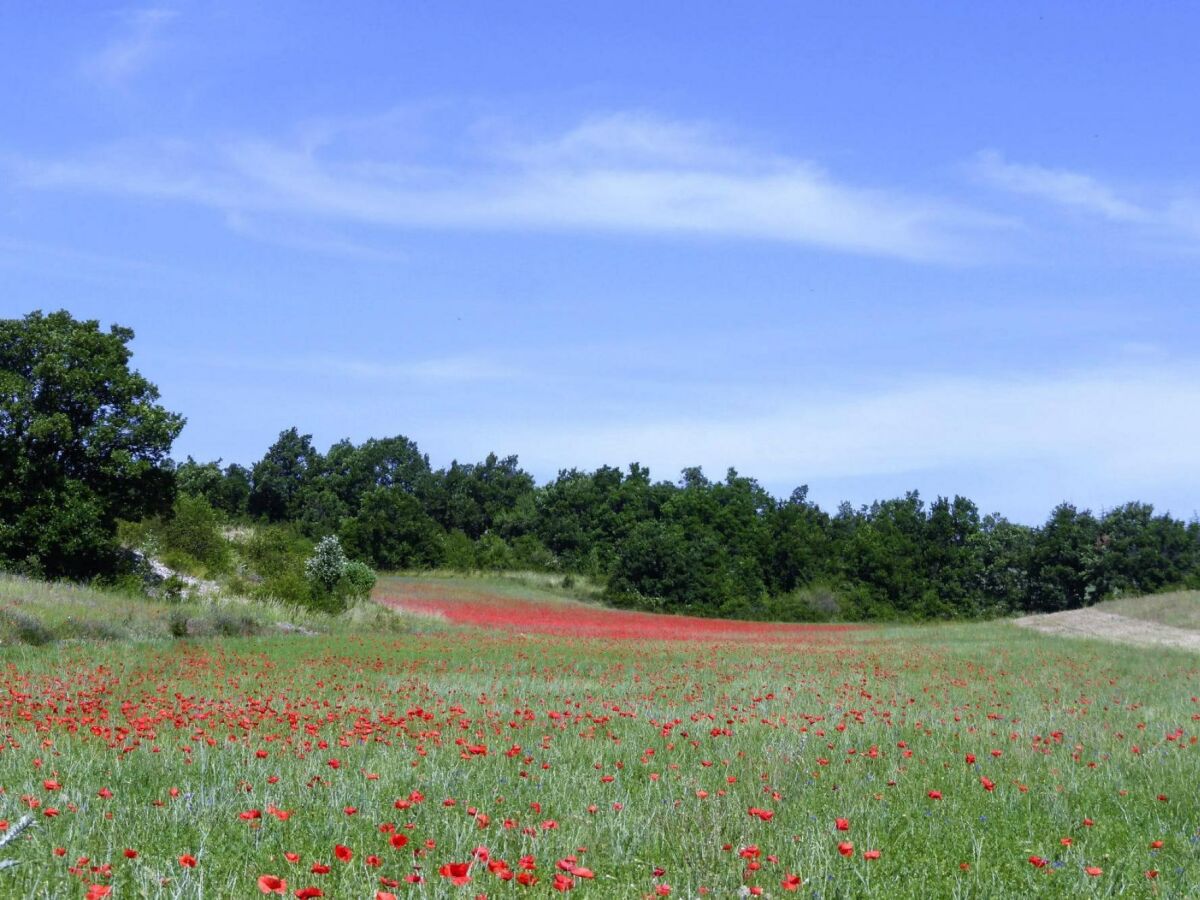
column 509, row 746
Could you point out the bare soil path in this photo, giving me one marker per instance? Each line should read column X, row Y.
column 1095, row 623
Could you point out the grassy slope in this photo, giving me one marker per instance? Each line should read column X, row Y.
column 943, row 691
column 1180, row 609
column 37, row 612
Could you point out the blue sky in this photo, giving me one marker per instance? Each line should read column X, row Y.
column 868, row 248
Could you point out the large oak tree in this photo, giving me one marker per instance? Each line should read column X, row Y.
column 83, row 443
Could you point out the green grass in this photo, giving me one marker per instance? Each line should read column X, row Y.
column 173, row 730
column 550, row 586
column 37, row 612
column 1179, row 609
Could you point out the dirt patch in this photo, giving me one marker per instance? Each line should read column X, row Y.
column 1107, row 626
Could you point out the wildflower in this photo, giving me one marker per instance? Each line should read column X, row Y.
column 272, row 884
column 458, row 873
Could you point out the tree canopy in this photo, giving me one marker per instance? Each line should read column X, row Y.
column 83, row 442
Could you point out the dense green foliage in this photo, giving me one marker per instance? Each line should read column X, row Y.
column 702, row 546
column 82, row 443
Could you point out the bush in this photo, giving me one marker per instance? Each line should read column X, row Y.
column 177, row 623
column 194, row 530
column 173, row 589
column 227, row 624
column 333, row 580
column 458, row 552
column 25, row 629
column 277, row 549
column 491, row 552
column 325, row 567
column 815, row 603
column 287, row 587
column 530, row 553
column 357, row 580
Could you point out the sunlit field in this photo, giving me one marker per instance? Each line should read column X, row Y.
column 507, row 744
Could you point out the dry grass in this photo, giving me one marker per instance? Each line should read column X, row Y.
column 38, row 612
column 1179, row 609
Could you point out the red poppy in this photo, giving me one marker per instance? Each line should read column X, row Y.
column 1094, row 871
column 399, row 840
column 846, row 848
column 187, row 861
column 935, row 795
column 130, row 854
column 309, row 892
column 791, row 882
column 458, row 873
column 343, row 853
column 842, row 824
column 272, row 884
column 870, row 854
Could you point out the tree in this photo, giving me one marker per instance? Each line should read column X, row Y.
column 226, row 490
column 83, row 443
column 279, row 478
column 1065, row 560
column 392, row 531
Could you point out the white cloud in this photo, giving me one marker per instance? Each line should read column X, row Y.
column 307, row 239
column 1059, row 186
column 430, row 371
column 1176, row 214
column 621, row 173
column 130, row 51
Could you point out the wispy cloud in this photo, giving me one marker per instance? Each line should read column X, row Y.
column 1122, row 424
column 442, row 370
column 632, row 174
column 1176, row 213
column 308, row 239
column 128, row 52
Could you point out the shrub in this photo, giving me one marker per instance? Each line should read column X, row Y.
column 25, row 629
column 288, row 586
column 325, row 567
column 815, row 603
column 530, row 553
column 276, row 549
column 227, row 624
column 457, row 551
column 177, row 623
column 491, row 552
column 194, row 530
column 173, row 589
column 357, row 580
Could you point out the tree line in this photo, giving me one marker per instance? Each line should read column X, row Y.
column 84, row 445
column 697, row 545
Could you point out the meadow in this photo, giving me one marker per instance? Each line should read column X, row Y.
column 505, row 740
